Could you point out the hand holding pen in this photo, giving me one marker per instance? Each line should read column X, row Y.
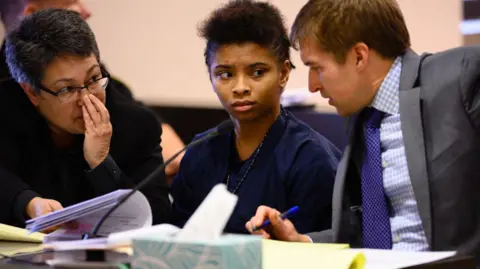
column 271, row 224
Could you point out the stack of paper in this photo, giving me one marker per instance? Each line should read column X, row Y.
column 133, row 214
column 115, row 240
column 14, row 248
column 16, row 240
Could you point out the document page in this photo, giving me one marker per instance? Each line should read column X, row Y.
column 134, row 213
column 391, row 259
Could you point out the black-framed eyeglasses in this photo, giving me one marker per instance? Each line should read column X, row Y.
column 68, row 94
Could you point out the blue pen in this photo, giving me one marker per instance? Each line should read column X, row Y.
column 287, row 214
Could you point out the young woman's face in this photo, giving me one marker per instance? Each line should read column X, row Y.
column 248, row 80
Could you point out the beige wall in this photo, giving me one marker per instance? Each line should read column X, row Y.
column 152, row 44
column 433, row 24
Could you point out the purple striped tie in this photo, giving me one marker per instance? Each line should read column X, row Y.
column 375, row 217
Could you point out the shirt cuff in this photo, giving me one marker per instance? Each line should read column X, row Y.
column 106, row 176
column 20, row 204
column 309, row 238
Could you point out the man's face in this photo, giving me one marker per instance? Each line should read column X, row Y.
column 341, row 83
column 74, row 5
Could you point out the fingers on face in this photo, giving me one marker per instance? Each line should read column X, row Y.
column 100, row 108
column 96, row 121
column 92, row 111
column 87, row 119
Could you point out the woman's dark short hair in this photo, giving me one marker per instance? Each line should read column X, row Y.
column 243, row 21
column 41, row 37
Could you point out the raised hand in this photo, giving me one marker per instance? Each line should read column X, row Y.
column 98, row 130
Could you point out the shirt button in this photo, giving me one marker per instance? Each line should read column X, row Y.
column 114, row 170
column 396, row 239
column 384, row 164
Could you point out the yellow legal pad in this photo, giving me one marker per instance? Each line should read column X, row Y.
column 10, row 233
column 277, row 255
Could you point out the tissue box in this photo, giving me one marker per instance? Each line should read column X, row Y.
column 229, row 251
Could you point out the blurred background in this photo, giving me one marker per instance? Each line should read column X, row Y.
column 152, row 46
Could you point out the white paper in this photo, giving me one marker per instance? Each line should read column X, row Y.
column 95, row 243
column 125, row 238
column 133, row 214
column 208, row 221
column 391, row 259
column 67, row 213
column 116, row 239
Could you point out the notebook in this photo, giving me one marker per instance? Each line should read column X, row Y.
column 10, row 233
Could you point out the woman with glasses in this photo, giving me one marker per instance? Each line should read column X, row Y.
column 270, row 158
column 64, row 138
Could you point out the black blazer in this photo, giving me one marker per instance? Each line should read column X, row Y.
column 29, row 165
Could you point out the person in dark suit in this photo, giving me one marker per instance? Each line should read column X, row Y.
column 64, row 138
column 11, row 11
column 409, row 178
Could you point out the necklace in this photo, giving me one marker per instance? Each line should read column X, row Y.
column 248, row 169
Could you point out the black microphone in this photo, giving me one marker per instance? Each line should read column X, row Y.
column 222, row 128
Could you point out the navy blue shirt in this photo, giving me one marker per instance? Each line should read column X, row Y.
column 295, row 166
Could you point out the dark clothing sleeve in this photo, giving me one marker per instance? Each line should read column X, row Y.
column 108, row 177
column 20, row 204
column 182, row 193
column 14, row 197
column 311, row 187
column 145, row 159
column 14, row 193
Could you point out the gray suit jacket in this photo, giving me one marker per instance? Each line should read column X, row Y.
column 440, row 117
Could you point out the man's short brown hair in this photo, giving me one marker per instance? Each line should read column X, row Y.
column 337, row 25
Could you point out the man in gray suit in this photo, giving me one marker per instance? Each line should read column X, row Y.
column 410, row 177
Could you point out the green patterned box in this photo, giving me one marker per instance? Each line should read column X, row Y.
column 230, row 251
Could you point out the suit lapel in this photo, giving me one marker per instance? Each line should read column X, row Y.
column 339, row 192
column 413, row 137
column 340, row 179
